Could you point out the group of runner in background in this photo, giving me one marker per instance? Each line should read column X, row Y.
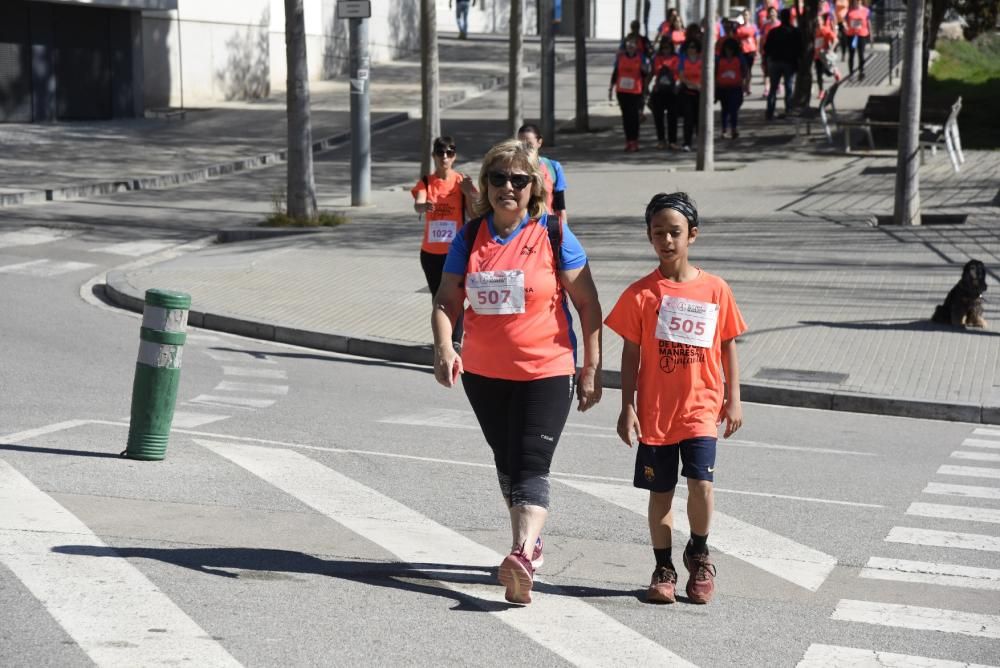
column 664, row 72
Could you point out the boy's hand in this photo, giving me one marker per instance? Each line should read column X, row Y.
column 588, row 388
column 732, row 414
column 628, row 424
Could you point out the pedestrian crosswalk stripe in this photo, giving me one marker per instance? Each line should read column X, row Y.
column 260, row 388
column 948, row 512
column 43, row 268
column 918, row 618
column 934, row 538
column 967, row 491
column 189, row 420
column 134, row 248
column 980, row 443
column 237, row 356
column 32, row 236
column 251, row 372
column 969, row 471
column 241, row 402
column 986, row 431
column 976, row 456
column 106, row 605
column 778, row 555
column 947, row 575
column 831, row 656
column 562, row 624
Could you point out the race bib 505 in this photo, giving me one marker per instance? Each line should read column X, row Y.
column 687, row 321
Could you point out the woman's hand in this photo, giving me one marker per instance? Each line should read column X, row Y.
column 588, row 388
column 447, row 365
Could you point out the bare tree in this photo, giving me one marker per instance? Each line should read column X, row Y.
column 705, row 160
column 515, row 105
column 301, row 193
column 906, row 209
column 430, row 101
column 808, row 23
column 580, row 42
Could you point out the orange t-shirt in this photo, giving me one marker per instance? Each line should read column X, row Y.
column 680, row 388
column 446, row 195
column 537, row 343
column 840, row 8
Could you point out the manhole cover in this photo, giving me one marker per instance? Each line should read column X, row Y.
column 801, row 375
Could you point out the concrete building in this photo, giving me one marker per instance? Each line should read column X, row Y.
column 102, row 59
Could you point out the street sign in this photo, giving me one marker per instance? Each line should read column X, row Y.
column 354, row 9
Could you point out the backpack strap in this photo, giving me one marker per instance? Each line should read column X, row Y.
column 554, row 224
column 549, row 167
column 426, row 181
column 471, row 231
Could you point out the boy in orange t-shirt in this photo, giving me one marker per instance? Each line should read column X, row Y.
column 680, row 326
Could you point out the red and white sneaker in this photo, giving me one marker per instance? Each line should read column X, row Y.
column 662, row 586
column 536, row 555
column 701, row 583
column 517, row 574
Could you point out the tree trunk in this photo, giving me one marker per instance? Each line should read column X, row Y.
column 808, row 22
column 705, row 161
column 907, row 205
column 430, row 99
column 548, row 78
column 301, row 193
column 936, row 18
column 515, row 106
column 580, row 41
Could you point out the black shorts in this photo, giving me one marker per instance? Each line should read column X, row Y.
column 656, row 465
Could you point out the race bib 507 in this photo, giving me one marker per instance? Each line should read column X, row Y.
column 496, row 292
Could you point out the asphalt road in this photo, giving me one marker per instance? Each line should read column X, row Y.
column 317, row 509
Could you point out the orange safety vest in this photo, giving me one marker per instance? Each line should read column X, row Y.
column 823, row 39
column 677, row 37
column 693, row 70
column 840, row 9
column 857, row 22
column 629, row 74
column 729, row 73
column 671, row 62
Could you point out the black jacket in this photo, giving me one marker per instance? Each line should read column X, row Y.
column 784, row 44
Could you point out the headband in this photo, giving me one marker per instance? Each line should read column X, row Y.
column 679, row 202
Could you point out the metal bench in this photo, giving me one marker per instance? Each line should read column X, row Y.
column 826, row 112
column 932, row 135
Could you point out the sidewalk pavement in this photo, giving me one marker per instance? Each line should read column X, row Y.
column 838, row 308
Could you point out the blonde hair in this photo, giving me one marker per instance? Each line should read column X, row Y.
column 511, row 153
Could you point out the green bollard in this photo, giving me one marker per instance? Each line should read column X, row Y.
column 157, row 373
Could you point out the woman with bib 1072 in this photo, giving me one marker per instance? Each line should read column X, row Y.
column 516, row 265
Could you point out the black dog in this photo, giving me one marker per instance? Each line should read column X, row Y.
column 963, row 307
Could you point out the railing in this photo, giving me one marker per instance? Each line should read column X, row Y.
column 888, row 24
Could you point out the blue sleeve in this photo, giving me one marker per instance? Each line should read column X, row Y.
column 457, row 261
column 559, row 183
column 571, row 253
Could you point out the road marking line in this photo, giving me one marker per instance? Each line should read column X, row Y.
column 251, row 372
column 563, row 624
column 980, row 443
column 32, row 236
column 986, row 431
column 237, row 356
column 915, row 617
column 134, row 248
column 970, row 471
column 947, row 575
column 104, row 603
column 244, row 402
column 42, row 431
column 933, row 538
column 448, row 418
column 832, row 656
column 976, row 456
column 43, row 268
column 189, row 419
column 968, row 491
column 948, row 512
column 764, row 549
column 261, row 388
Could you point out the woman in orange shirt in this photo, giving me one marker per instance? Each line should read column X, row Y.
column 858, row 31
column 628, row 83
column 516, row 265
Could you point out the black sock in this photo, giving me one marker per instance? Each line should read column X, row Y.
column 663, row 557
column 698, row 544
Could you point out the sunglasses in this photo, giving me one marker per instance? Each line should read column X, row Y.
column 443, row 152
column 500, row 179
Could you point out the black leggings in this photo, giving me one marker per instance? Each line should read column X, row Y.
column 433, row 265
column 522, row 421
column 860, row 50
column 665, row 102
column 689, row 102
column 631, row 106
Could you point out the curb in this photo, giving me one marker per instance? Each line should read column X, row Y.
column 121, row 293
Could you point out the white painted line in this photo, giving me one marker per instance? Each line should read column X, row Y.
column 237, row 356
column 947, row 575
column 764, row 549
column 244, row 402
column 966, row 491
column 986, row 431
column 43, row 268
column 963, row 513
column 447, row 418
column 104, row 603
column 251, row 372
column 186, row 419
column 134, row 248
column 914, row 617
column 833, row 656
column 969, row 471
column 42, row 431
column 976, row 456
column 565, row 625
column 953, row 539
column 259, row 388
column 980, row 443
column 32, row 236
column 809, row 499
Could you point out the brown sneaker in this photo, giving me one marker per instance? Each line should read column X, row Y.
column 701, row 584
column 517, row 575
column 663, row 586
